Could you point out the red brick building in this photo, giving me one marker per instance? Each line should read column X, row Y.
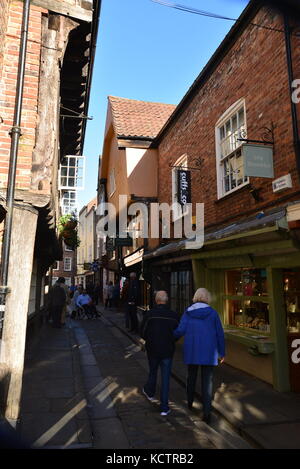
column 241, row 103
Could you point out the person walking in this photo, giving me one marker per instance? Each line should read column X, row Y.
column 133, row 301
column 110, row 294
column 124, row 302
column 62, row 282
column 57, row 301
column 204, row 345
column 157, row 331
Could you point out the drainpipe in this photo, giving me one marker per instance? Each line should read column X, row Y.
column 15, row 136
column 291, row 79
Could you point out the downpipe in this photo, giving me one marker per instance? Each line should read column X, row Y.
column 15, row 134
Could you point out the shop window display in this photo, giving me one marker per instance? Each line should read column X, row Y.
column 291, row 279
column 247, row 302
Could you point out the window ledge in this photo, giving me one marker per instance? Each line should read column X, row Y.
column 255, row 344
column 228, row 195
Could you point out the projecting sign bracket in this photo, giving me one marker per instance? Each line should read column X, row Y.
column 198, row 162
column 266, row 133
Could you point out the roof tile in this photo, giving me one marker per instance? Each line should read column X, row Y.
column 132, row 118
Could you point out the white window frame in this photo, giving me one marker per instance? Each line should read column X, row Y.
column 112, row 182
column 69, row 259
column 71, row 205
column 181, row 163
column 67, row 249
column 66, row 170
column 57, row 268
column 220, row 161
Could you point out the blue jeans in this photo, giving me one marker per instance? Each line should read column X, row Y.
column 165, row 365
column 206, row 385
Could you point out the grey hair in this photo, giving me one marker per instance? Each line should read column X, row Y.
column 202, row 295
column 161, row 296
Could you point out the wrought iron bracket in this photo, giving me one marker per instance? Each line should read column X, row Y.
column 267, row 135
column 198, row 162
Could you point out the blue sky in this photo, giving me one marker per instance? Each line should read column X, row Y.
column 149, row 52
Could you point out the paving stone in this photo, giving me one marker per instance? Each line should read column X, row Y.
column 109, row 434
column 281, row 436
column 43, row 429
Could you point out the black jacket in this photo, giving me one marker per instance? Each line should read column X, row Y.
column 157, row 330
column 134, row 292
column 57, row 296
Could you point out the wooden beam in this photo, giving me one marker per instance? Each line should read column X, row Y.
column 66, row 9
column 15, row 318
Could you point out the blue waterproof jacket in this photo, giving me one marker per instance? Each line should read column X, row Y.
column 203, row 333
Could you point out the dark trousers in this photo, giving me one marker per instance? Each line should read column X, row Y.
column 56, row 315
column 206, row 385
column 132, row 313
column 165, row 365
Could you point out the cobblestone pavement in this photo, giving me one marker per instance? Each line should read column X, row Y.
column 123, row 368
column 82, row 389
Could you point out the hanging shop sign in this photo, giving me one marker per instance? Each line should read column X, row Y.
column 184, row 186
column 110, row 244
column 258, row 161
column 123, row 242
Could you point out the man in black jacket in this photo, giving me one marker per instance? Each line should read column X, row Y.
column 157, row 331
column 133, row 301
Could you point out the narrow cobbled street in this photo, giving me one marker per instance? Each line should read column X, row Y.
column 94, row 398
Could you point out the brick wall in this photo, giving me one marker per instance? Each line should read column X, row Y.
column 8, row 77
column 255, row 69
column 3, row 25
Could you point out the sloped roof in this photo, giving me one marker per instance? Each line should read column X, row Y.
column 132, row 118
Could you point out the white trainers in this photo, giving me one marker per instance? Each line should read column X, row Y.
column 165, row 413
column 151, row 399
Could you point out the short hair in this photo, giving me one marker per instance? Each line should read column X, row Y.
column 161, row 296
column 202, row 295
column 132, row 275
column 61, row 280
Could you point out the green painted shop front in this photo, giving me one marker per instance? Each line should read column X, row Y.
column 255, row 282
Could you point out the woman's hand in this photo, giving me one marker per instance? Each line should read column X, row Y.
column 222, row 360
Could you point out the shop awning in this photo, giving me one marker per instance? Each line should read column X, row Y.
column 134, row 258
column 260, row 223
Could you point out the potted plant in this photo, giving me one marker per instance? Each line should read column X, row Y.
column 67, row 228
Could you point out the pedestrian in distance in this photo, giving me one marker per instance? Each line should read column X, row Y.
column 74, row 307
column 62, row 282
column 110, row 294
column 124, row 302
column 204, row 346
column 157, row 331
column 105, row 295
column 57, row 301
column 133, row 301
column 116, row 295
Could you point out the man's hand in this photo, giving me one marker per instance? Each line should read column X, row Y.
column 222, row 360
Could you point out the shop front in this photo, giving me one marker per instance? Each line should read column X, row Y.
column 256, row 290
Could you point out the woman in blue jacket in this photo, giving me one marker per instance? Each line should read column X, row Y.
column 204, row 345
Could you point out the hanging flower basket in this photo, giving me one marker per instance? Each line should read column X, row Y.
column 67, row 228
